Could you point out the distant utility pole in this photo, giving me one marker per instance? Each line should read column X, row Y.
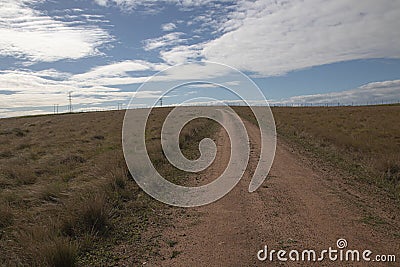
column 70, row 101
column 120, row 106
column 55, row 109
column 161, row 102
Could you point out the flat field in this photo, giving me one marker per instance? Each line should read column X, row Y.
column 67, row 198
column 365, row 141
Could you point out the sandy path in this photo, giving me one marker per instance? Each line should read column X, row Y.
column 298, row 207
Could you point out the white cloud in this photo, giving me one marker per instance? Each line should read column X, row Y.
column 139, row 71
column 203, row 85
column 181, row 54
column 114, row 69
column 372, row 93
column 29, row 89
column 168, row 27
column 53, row 74
column 169, row 39
column 36, row 90
column 117, row 73
column 269, row 37
column 101, row 2
column 24, row 89
column 133, row 4
column 31, row 34
column 14, row 113
column 25, row 80
column 274, row 37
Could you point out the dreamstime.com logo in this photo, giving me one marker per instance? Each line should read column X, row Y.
column 194, row 85
column 340, row 253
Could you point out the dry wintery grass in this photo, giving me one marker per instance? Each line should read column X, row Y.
column 66, row 196
column 363, row 140
column 46, row 163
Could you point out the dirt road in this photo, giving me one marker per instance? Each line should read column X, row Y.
column 300, row 206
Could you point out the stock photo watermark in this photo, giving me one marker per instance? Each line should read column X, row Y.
column 221, row 78
column 340, row 253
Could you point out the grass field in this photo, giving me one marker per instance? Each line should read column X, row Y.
column 364, row 141
column 65, row 193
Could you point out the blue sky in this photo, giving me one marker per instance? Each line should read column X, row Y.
column 312, row 51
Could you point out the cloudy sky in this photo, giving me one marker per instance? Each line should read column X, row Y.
column 310, row 51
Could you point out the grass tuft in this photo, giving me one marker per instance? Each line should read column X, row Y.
column 72, row 159
column 44, row 246
column 90, row 214
column 6, row 154
column 98, row 137
column 20, row 175
column 51, row 192
column 95, row 214
column 6, row 215
column 60, row 252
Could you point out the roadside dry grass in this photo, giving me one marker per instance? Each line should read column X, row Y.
column 66, row 196
column 364, row 141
